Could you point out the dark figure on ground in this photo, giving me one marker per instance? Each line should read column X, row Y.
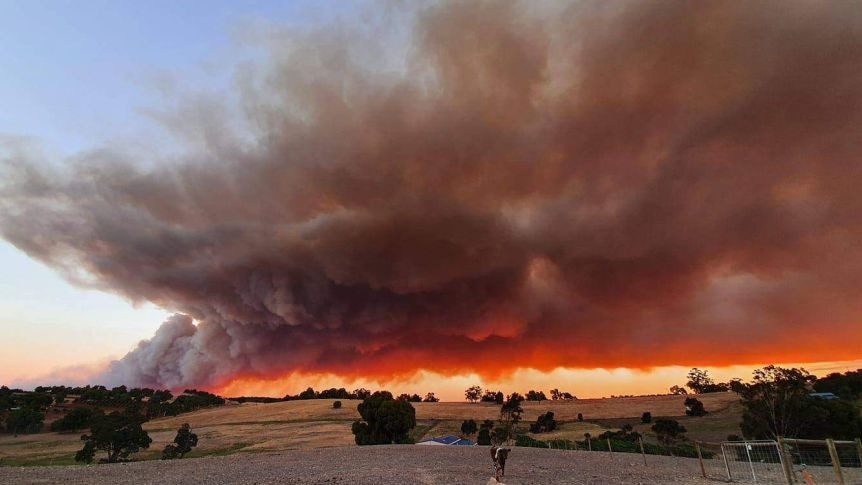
column 499, row 455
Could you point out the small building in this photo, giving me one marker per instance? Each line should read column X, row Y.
column 448, row 440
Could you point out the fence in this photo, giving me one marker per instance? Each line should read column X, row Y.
column 785, row 461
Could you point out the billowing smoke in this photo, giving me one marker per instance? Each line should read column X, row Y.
column 591, row 185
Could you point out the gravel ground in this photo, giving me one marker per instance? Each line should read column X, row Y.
column 375, row 465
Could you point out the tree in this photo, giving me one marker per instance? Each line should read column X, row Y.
column 77, row 418
column 693, row 407
column 336, row 405
column 385, row 420
column 24, row 420
column 777, row 403
column 668, row 431
column 677, row 391
column 118, row 434
column 183, row 443
column 698, row 380
column 469, row 427
column 473, row 393
column 308, row 394
column 430, row 397
column 556, row 395
column 510, row 415
column 484, row 436
column 361, row 393
column 646, row 417
column 536, row 396
column 580, row 417
column 544, row 423
column 847, row 385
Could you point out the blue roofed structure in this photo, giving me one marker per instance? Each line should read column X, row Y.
column 447, row 440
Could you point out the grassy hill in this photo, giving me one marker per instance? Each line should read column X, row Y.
column 252, row 427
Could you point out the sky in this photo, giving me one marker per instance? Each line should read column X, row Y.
column 255, row 197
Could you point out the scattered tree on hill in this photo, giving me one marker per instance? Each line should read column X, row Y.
column 24, row 420
column 308, row 394
column 183, row 443
column 536, row 396
column 361, row 393
column 336, row 405
column 430, row 397
column 580, row 417
column 410, row 397
column 77, row 418
column 544, row 423
column 557, row 395
column 473, row 393
column 646, row 417
column 469, row 427
column 700, row 382
column 385, row 420
column 693, row 407
column 494, row 397
column 677, row 391
column 118, row 434
column 668, row 431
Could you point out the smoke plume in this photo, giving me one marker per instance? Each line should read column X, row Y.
column 512, row 185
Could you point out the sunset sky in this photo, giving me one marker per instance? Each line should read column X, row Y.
column 253, row 198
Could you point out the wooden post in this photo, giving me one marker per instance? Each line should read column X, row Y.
column 641, row 442
column 859, row 449
column 786, row 460
column 609, row 446
column 836, row 464
column 589, row 445
column 700, row 458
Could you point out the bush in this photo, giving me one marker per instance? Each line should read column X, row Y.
column 693, row 407
column 336, row 405
column 469, row 427
column 668, row 431
column 646, row 418
column 544, row 423
column 580, row 417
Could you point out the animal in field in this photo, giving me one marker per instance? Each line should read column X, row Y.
column 499, row 455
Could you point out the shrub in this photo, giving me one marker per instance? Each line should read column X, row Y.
column 544, row 423
column 385, row 420
column 183, row 443
column 646, row 417
column 693, row 407
column 469, row 427
column 668, row 431
column 336, row 405
column 580, row 417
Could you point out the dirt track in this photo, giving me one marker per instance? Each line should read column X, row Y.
column 378, row 465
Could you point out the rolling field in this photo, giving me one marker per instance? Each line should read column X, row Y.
column 294, row 425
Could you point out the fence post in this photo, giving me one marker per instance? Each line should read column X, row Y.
column 859, row 450
column 726, row 465
column 836, row 464
column 786, row 461
column 609, row 446
column 641, row 442
column 750, row 464
column 589, row 445
column 700, row 458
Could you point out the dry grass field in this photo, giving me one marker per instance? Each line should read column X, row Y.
column 292, row 425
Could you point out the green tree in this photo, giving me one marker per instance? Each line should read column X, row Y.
column 183, row 443
column 77, row 418
column 777, row 403
column 668, row 431
column 385, row 420
column 677, row 391
column 469, row 427
column 510, row 415
column 430, row 397
column 117, row 434
column 473, row 393
column 24, row 420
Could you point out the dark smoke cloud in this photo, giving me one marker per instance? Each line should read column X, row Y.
column 600, row 184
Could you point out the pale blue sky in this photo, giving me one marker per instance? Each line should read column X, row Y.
column 74, row 75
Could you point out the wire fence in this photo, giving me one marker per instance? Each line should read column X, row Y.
column 786, row 461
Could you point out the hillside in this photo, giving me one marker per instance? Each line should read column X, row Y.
column 290, row 425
